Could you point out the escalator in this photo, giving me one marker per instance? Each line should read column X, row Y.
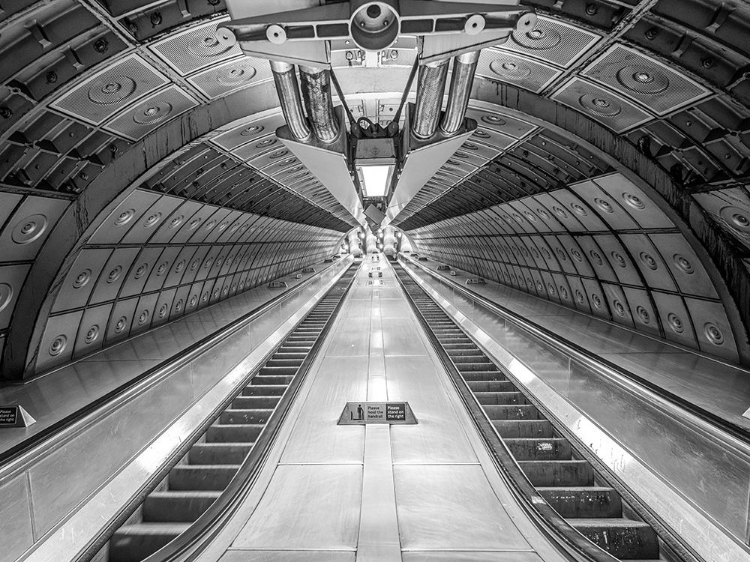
column 556, row 469
column 200, row 477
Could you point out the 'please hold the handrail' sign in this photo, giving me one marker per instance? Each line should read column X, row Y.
column 360, row 413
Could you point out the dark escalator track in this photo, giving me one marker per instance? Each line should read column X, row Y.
column 201, row 475
column 560, row 474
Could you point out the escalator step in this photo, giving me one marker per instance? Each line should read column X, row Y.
column 484, row 366
column 558, row 473
column 255, row 402
column 177, row 507
column 292, row 353
column 540, row 449
column 475, row 359
column 270, row 370
column 233, row 433
column 484, row 376
column 213, row 477
column 623, row 538
column 499, row 398
column 218, row 453
column 133, row 543
column 523, row 428
column 512, row 412
column 271, row 380
column 491, row 386
column 279, row 363
column 237, row 416
column 259, row 389
column 588, row 502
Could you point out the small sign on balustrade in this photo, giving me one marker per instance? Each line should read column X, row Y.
column 15, row 416
column 361, row 413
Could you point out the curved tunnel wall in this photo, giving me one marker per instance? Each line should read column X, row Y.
column 153, row 259
column 97, row 101
column 599, row 246
column 158, row 257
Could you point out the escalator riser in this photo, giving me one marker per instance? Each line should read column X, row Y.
column 233, row 416
column 186, row 507
column 461, row 360
column 233, row 433
column 627, row 540
column 259, row 389
column 281, row 362
column 558, row 473
column 483, row 376
column 500, row 398
column 579, row 503
column 219, row 453
column 528, row 428
column 255, row 402
column 201, row 477
column 271, row 380
column 540, row 449
column 512, row 412
column 499, row 385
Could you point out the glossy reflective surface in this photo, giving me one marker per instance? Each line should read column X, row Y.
column 382, row 493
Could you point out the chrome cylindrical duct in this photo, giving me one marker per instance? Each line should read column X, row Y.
column 291, row 104
column 316, row 91
column 389, row 241
column 430, row 88
column 464, row 67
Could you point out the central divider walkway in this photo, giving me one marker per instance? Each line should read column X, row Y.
column 417, row 493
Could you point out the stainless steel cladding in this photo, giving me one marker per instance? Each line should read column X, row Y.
column 316, row 91
column 464, row 67
column 430, row 88
column 285, row 78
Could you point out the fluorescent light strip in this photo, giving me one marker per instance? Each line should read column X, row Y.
column 375, row 180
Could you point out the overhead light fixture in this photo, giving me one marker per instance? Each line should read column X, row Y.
column 375, row 179
column 385, row 164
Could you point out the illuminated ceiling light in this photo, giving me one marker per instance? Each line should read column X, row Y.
column 375, row 180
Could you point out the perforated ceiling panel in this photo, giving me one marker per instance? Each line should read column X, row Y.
column 651, row 83
column 552, row 41
column 195, row 48
column 110, row 90
column 508, row 67
column 601, row 104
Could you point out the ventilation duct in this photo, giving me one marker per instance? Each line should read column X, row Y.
column 285, row 77
column 430, row 87
column 462, row 78
column 316, row 91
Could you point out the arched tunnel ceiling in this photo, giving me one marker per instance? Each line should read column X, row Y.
column 131, row 109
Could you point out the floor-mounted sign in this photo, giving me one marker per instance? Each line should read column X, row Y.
column 360, row 413
column 15, row 416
